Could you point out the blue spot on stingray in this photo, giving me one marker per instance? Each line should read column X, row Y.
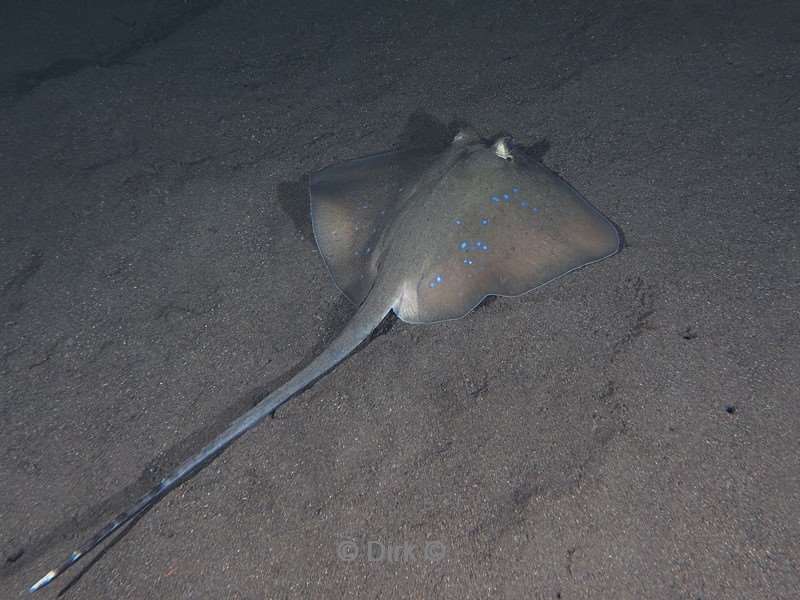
column 495, row 199
column 464, row 246
column 534, row 209
column 458, row 221
column 468, row 261
column 523, row 204
column 515, row 190
column 481, row 245
column 506, row 197
column 484, row 221
column 436, row 281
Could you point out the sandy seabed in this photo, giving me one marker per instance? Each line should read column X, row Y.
column 628, row 431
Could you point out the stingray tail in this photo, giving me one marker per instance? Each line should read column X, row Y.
column 366, row 319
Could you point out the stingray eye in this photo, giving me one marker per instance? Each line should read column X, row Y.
column 502, row 148
column 466, row 135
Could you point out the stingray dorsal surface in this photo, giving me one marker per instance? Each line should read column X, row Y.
column 444, row 230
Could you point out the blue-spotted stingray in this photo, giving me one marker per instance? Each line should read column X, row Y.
column 426, row 235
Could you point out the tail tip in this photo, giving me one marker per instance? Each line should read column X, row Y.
column 42, row 582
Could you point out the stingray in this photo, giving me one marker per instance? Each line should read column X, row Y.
column 426, row 235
